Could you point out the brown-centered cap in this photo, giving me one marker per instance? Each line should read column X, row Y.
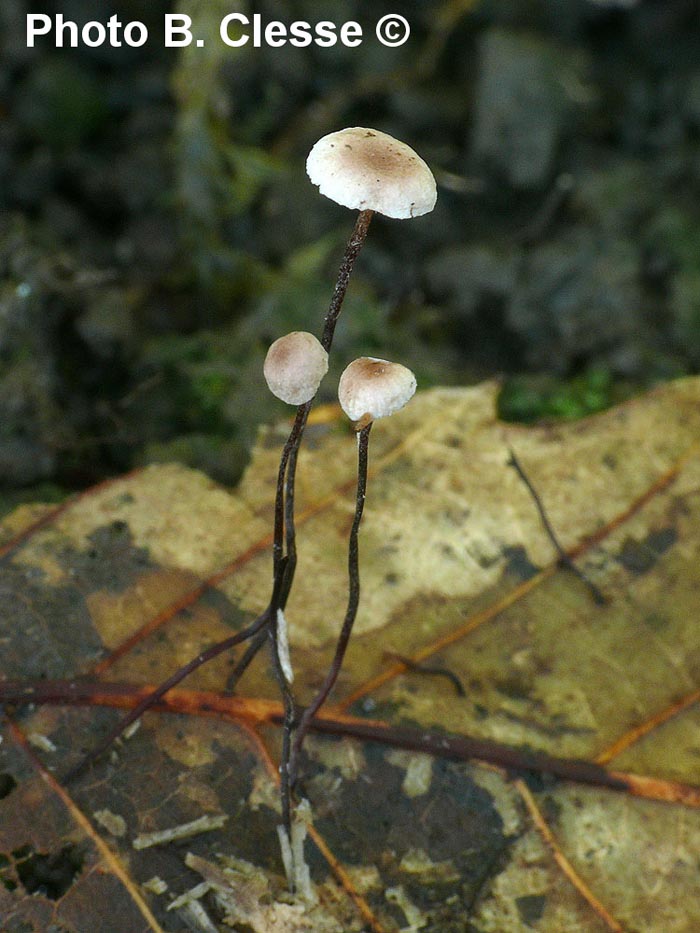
column 294, row 367
column 370, row 388
column 369, row 170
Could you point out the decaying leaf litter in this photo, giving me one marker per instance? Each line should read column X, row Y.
column 451, row 531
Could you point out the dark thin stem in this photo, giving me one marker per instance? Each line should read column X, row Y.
column 207, row 655
column 290, row 534
column 352, row 251
column 284, row 568
column 289, row 451
column 244, row 662
column 353, row 602
column 430, row 670
column 563, row 557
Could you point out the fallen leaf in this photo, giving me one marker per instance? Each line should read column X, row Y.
column 135, row 577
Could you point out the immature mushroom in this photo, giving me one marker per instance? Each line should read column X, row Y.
column 294, row 367
column 370, row 388
column 369, row 170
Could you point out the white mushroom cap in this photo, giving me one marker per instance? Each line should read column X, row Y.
column 369, row 170
column 370, row 388
column 294, row 367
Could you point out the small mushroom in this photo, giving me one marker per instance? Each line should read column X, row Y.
column 370, row 388
column 369, row 170
column 294, row 367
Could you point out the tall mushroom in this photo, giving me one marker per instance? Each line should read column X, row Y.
column 369, row 171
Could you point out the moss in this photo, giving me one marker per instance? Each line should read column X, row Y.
column 534, row 398
column 197, row 375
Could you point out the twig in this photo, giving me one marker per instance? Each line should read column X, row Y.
column 643, row 729
column 432, row 671
column 440, row 745
column 450, row 747
column 562, row 555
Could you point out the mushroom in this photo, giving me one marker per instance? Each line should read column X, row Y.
column 294, row 367
column 370, row 170
column 371, row 388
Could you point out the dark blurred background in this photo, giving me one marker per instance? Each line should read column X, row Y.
column 157, row 230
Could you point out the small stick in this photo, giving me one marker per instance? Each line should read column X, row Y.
column 353, row 603
column 563, row 558
column 431, row 670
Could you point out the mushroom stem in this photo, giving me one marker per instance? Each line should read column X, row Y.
column 284, row 505
column 284, row 510
column 284, row 541
column 352, row 251
column 350, row 612
column 244, row 662
column 288, row 721
column 208, row 654
column 284, row 531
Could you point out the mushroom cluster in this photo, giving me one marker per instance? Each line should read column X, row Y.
column 371, row 172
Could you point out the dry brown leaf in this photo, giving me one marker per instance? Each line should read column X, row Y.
column 450, row 532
